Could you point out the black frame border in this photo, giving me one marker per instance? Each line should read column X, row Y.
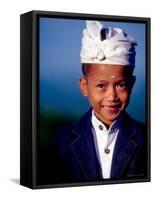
column 29, row 93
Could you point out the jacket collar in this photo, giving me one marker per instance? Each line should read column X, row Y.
column 84, row 145
column 124, row 147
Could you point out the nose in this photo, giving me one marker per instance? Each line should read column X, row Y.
column 111, row 94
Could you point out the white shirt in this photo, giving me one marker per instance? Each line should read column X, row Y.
column 105, row 139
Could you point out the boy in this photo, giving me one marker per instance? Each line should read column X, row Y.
column 106, row 143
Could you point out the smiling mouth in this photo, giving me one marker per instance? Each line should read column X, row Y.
column 112, row 108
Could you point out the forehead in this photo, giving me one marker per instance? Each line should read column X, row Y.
column 108, row 71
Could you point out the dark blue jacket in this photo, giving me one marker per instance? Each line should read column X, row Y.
column 73, row 155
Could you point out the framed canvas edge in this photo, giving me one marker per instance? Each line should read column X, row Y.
column 37, row 13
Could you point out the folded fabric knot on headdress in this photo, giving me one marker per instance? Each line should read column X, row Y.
column 108, row 46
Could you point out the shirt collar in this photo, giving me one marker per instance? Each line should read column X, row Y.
column 99, row 126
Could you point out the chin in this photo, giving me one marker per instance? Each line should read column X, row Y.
column 111, row 117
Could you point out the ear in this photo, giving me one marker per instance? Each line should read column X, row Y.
column 132, row 82
column 83, row 86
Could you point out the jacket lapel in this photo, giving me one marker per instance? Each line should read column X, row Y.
column 85, row 149
column 124, row 148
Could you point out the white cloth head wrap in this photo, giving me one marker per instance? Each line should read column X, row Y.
column 108, row 46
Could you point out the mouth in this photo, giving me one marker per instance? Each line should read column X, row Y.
column 112, row 108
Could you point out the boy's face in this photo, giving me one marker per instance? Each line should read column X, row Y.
column 108, row 89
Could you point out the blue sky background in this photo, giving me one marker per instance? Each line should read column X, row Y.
column 60, row 67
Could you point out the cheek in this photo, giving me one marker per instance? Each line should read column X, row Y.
column 124, row 97
column 94, row 96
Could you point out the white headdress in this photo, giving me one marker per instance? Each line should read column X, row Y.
column 108, row 46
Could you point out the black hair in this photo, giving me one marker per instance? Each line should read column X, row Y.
column 85, row 67
column 83, row 70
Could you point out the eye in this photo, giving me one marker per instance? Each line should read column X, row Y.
column 101, row 85
column 122, row 85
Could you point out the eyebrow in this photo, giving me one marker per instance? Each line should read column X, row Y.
column 104, row 81
column 101, row 81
